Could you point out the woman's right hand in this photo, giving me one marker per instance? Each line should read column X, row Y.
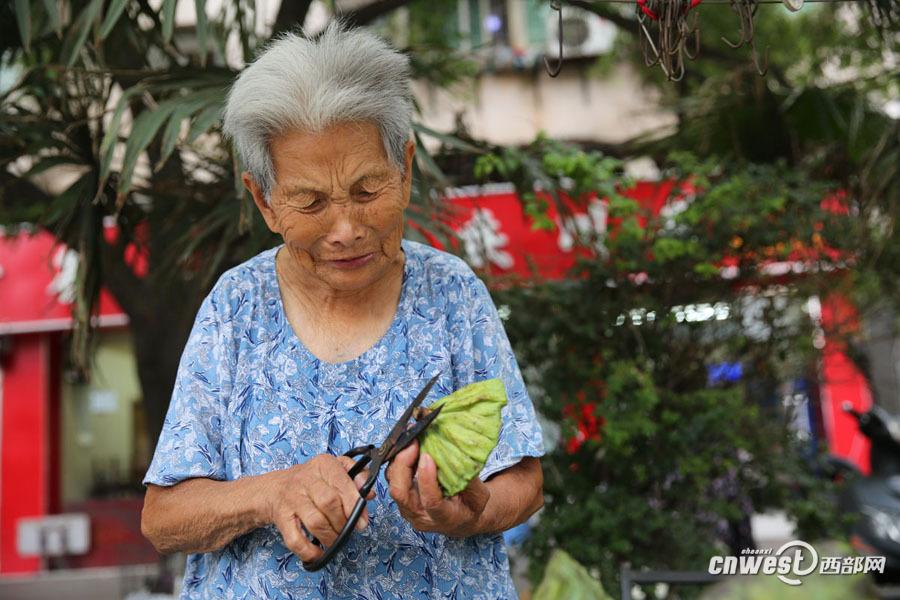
column 318, row 494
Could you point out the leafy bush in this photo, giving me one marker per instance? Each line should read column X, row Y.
column 657, row 466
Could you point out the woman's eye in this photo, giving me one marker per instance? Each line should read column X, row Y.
column 365, row 194
column 312, row 203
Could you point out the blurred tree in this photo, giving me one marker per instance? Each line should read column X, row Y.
column 112, row 116
column 660, row 463
column 833, row 75
column 127, row 104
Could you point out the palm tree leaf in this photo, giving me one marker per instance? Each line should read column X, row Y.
column 52, row 8
column 207, row 117
column 448, row 140
column 111, row 137
column 143, row 131
column 23, row 18
column 78, row 33
column 427, row 165
column 47, row 162
column 116, row 7
column 202, row 30
column 62, row 212
column 189, row 106
column 167, row 16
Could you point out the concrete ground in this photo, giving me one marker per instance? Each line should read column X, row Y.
column 130, row 583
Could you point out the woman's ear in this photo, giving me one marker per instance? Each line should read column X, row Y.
column 259, row 198
column 408, row 171
column 410, row 154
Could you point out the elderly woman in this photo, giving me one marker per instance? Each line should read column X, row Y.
column 318, row 345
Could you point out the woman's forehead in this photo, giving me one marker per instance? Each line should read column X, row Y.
column 335, row 141
column 348, row 151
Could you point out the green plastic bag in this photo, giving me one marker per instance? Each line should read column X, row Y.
column 566, row 579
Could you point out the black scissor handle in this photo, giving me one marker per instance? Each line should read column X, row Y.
column 315, row 565
column 365, row 454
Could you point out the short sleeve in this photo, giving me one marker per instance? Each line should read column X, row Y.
column 481, row 350
column 190, row 444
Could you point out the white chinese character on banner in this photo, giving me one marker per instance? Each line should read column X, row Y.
column 483, row 241
column 672, row 209
column 63, row 284
column 589, row 226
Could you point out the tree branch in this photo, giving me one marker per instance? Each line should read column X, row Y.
column 370, row 12
column 604, row 12
column 291, row 14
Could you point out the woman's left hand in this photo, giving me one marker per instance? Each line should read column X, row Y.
column 415, row 489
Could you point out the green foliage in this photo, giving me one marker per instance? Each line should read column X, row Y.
column 549, row 165
column 668, row 458
column 134, row 111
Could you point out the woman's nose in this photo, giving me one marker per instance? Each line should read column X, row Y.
column 345, row 226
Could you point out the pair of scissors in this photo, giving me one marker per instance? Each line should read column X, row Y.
column 400, row 437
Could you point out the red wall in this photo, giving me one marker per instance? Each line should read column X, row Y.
column 24, row 443
column 843, row 382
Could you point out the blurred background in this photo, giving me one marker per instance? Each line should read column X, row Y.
column 687, row 217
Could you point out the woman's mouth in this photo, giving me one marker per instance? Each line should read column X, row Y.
column 352, row 263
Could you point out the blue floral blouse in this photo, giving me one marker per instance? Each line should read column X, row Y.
column 251, row 398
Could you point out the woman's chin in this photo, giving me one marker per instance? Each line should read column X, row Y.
column 346, row 279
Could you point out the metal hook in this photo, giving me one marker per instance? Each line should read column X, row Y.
column 739, row 7
column 553, row 71
column 755, row 57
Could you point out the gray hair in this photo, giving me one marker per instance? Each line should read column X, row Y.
column 312, row 83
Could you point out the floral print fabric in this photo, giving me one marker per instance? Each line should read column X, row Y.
column 250, row 398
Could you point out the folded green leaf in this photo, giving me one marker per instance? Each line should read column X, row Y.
column 465, row 433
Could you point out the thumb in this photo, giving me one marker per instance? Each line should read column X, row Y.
column 429, row 489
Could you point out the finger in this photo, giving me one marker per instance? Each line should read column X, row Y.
column 317, row 523
column 330, row 504
column 363, row 519
column 401, row 472
column 408, row 455
column 295, row 540
column 360, row 479
column 345, row 487
column 430, row 493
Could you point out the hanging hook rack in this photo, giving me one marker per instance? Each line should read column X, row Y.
column 554, row 70
column 669, row 34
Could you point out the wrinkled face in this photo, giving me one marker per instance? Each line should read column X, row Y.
column 338, row 203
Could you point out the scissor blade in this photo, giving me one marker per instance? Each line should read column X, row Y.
column 412, row 433
column 400, row 426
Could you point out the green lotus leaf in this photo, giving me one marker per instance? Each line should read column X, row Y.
column 464, row 433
